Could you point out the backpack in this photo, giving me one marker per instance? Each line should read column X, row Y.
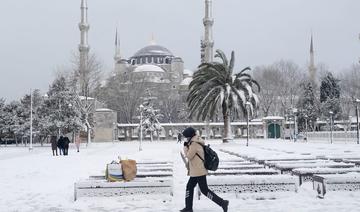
column 211, row 160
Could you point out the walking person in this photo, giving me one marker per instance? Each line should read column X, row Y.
column 179, row 138
column 66, row 145
column 77, row 142
column 60, row 145
column 54, row 143
column 193, row 151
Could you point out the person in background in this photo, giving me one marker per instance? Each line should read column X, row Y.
column 54, row 143
column 66, row 145
column 194, row 151
column 179, row 138
column 77, row 142
column 60, row 145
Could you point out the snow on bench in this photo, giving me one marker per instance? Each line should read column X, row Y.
column 252, row 184
column 273, row 163
column 336, row 182
column 341, row 157
column 355, row 161
column 306, row 174
column 244, row 172
column 233, row 166
column 288, row 167
column 102, row 188
column 140, row 175
column 262, row 159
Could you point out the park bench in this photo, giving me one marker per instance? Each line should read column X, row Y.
column 102, row 188
column 336, row 182
column 243, row 172
column 288, row 167
column 273, row 163
column 306, row 174
column 355, row 161
column 251, row 184
column 153, row 177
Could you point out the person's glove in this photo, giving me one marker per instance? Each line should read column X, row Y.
column 186, row 143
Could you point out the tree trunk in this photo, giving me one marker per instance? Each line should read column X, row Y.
column 227, row 127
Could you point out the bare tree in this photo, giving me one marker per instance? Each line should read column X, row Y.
column 350, row 88
column 87, row 78
column 268, row 77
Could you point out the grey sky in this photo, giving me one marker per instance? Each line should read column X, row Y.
column 39, row 35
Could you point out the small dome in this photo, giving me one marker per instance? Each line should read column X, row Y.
column 148, row 68
column 153, row 50
column 186, row 81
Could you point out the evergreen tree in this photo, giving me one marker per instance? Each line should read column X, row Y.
column 60, row 112
column 308, row 107
column 330, row 95
column 150, row 120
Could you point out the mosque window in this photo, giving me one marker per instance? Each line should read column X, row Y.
column 161, row 60
column 138, row 60
column 133, row 61
column 167, row 60
column 143, row 60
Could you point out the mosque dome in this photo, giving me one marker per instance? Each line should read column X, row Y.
column 153, row 50
column 152, row 54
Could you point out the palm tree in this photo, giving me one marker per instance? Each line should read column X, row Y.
column 216, row 85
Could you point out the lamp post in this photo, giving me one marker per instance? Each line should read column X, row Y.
column 295, row 124
column 306, row 127
column 331, row 126
column 31, row 120
column 247, row 105
column 357, row 101
column 141, row 125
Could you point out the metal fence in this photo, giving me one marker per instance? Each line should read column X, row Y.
column 338, row 136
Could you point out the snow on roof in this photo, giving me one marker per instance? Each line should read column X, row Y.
column 84, row 98
column 273, row 118
column 104, row 110
column 148, row 68
column 186, row 81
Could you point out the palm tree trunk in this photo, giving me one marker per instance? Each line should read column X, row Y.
column 227, row 127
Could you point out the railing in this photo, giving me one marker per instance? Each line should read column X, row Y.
column 338, row 136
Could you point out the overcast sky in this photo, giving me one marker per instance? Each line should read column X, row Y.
column 37, row 36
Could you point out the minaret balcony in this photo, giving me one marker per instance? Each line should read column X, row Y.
column 84, row 26
column 208, row 21
column 84, row 48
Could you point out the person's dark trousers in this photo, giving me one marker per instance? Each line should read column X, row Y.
column 204, row 189
column 55, row 150
column 60, row 151
column 65, row 151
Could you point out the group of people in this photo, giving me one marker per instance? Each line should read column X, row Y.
column 63, row 145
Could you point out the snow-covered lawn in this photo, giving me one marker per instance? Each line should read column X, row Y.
column 37, row 181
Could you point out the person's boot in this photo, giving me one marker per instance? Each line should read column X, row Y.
column 186, row 210
column 225, row 205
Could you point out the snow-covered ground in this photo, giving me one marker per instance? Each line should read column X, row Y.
column 37, row 181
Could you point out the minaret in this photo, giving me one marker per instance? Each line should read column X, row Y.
column 207, row 43
column 83, row 46
column 312, row 68
column 117, row 55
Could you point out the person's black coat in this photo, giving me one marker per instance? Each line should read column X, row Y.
column 66, row 143
column 61, row 143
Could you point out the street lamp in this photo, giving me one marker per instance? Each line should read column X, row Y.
column 331, row 126
column 357, row 101
column 295, row 124
column 31, row 120
column 141, row 125
column 306, row 127
column 247, row 105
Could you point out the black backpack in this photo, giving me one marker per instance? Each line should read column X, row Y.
column 211, row 160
